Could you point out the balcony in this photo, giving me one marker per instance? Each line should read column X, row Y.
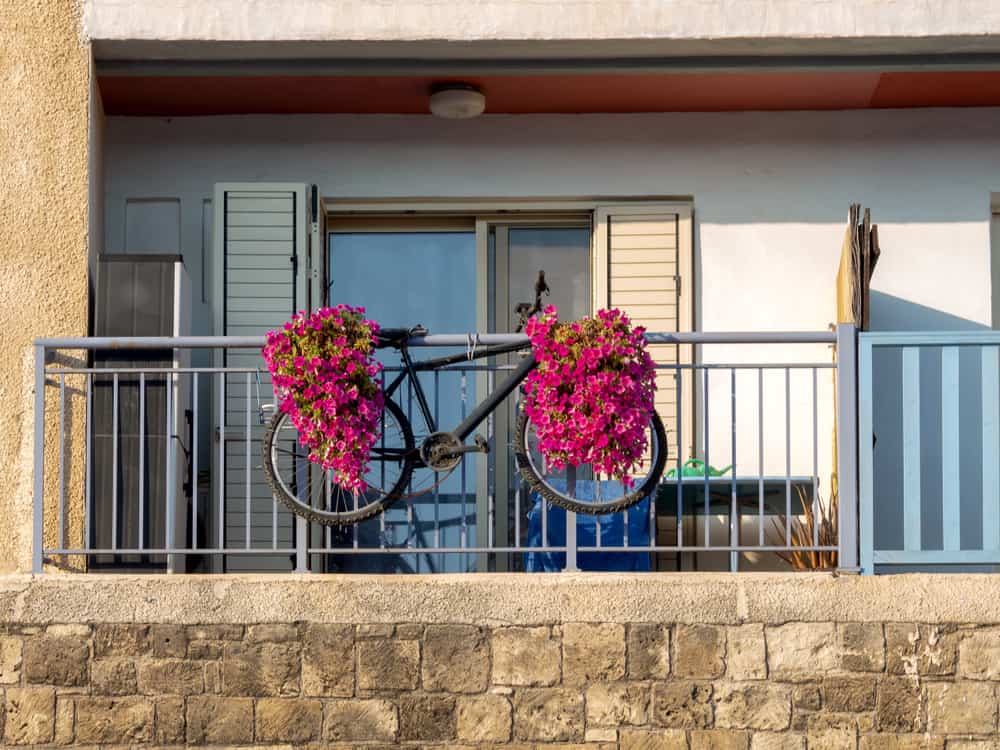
column 138, row 468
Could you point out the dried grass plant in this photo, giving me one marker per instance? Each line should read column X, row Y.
column 814, row 524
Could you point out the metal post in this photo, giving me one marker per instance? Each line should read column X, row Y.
column 301, row 545
column 847, row 447
column 571, row 565
column 39, row 478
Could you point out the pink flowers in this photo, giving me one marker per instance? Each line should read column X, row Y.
column 327, row 381
column 591, row 397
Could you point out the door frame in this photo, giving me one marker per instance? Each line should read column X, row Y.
column 487, row 212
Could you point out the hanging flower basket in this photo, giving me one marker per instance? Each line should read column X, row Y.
column 326, row 379
column 591, row 397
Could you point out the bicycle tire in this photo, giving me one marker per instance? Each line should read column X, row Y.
column 597, row 508
column 337, row 518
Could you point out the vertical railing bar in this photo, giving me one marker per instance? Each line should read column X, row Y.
column 38, row 479
column 114, row 461
column 88, row 463
column 62, row 460
column 545, row 510
column 911, row 449
column 274, row 521
column 788, row 457
column 491, row 495
column 865, row 454
column 171, row 475
column 705, row 372
column 517, row 482
column 951, row 508
column 571, row 524
column 327, row 496
column 464, row 532
column 679, row 381
column 274, row 500
column 597, row 529
column 221, row 479
column 437, row 487
column 815, row 471
column 194, row 460
column 760, row 456
column 990, row 356
column 246, row 459
column 625, row 543
column 142, row 460
column 409, row 500
column 734, row 514
column 848, row 412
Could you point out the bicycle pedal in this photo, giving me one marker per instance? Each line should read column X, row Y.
column 481, row 444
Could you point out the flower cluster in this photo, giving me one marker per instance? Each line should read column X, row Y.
column 326, row 379
column 591, row 397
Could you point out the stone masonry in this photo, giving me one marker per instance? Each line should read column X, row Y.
column 634, row 686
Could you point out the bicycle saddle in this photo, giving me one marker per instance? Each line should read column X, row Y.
column 398, row 336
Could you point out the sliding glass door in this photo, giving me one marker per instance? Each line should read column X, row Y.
column 454, row 275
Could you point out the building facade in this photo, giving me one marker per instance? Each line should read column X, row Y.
column 692, row 163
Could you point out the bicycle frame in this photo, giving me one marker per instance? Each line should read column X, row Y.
column 485, row 407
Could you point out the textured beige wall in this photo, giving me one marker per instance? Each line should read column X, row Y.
column 44, row 100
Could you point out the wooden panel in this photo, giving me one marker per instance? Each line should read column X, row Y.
column 260, row 247
column 282, row 262
column 623, row 224
column 647, row 255
column 648, row 299
column 260, row 290
column 644, row 242
column 269, row 234
column 261, row 203
column 642, row 255
column 269, row 219
column 991, row 447
column 951, row 474
column 642, row 283
column 911, row 449
column 281, row 274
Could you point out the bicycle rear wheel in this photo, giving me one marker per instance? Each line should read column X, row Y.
column 309, row 491
column 581, row 489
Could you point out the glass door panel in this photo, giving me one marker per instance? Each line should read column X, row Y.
column 521, row 251
column 403, row 278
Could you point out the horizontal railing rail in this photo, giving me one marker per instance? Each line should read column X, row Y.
column 154, row 442
column 929, row 425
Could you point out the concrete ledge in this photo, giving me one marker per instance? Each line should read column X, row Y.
column 499, row 599
column 591, row 20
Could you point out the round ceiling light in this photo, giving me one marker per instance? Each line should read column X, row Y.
column 457, row 101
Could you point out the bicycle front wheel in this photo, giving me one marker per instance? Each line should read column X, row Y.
column 309, row 491
column 582, row 489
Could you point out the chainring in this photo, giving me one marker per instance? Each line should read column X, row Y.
column 439, row 451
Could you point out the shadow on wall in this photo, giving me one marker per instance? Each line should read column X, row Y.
column 889, row 313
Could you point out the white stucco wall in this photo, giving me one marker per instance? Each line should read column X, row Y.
column 594, row 20
column 770, row 194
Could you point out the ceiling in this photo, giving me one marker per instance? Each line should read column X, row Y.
column 570, row 93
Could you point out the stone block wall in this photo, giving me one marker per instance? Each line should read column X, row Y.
column 597, row 685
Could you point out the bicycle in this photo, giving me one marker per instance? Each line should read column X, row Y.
column 396, row 454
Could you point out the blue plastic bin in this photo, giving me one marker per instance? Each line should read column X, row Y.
column 612, row 535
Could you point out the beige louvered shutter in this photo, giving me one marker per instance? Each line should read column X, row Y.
column 643, row 266
column 261, row 272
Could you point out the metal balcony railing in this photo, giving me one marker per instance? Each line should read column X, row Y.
column 147, row 458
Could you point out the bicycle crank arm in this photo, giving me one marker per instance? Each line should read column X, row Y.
column 480, row 446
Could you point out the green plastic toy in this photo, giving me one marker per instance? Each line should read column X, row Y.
column 695, row 467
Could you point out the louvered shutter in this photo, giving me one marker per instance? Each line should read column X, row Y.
column 643, row 266
column 261, row 250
